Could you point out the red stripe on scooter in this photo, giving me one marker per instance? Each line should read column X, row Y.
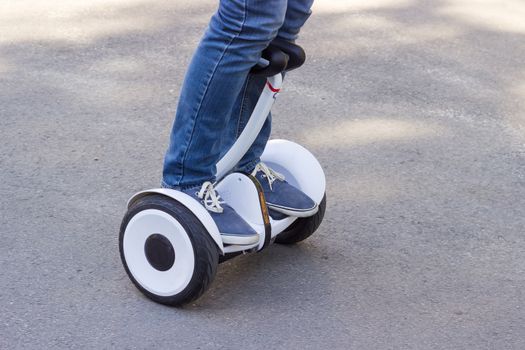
column 272, row 88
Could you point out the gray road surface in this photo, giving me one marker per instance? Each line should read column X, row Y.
column 415, row 108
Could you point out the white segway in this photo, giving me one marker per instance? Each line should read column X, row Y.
column 169, row 244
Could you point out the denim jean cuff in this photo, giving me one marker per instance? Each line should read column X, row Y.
column 248, row 168
column 163, row 184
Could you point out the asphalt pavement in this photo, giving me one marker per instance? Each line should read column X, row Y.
column 416, row 109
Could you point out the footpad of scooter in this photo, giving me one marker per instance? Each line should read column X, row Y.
column 245, row 195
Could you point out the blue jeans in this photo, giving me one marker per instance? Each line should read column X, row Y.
column 219, row 94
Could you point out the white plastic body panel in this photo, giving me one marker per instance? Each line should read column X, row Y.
column 240, row 248
column 298, row 165
column 279, row 226
column 300, row 168
column 239, row 191
column 195, row 207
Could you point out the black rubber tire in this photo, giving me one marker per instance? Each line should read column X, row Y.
column 205, row 250
column 302, row 228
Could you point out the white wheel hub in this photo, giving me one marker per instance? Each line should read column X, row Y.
column 156, row 222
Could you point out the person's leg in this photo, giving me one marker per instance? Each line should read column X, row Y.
column 241, row 113
column 297, row 12
column 282, row 198
column 231, row 46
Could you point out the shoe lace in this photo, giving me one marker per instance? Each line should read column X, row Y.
column 210, row 197
column 268, row 172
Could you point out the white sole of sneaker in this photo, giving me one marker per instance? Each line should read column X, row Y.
column 293, row 212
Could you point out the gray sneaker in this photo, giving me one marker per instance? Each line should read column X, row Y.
column 232, row 227
column 281, row 197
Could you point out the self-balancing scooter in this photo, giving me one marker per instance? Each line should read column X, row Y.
column 169, row 244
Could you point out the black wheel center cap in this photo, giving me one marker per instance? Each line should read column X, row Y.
column 159, row 252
